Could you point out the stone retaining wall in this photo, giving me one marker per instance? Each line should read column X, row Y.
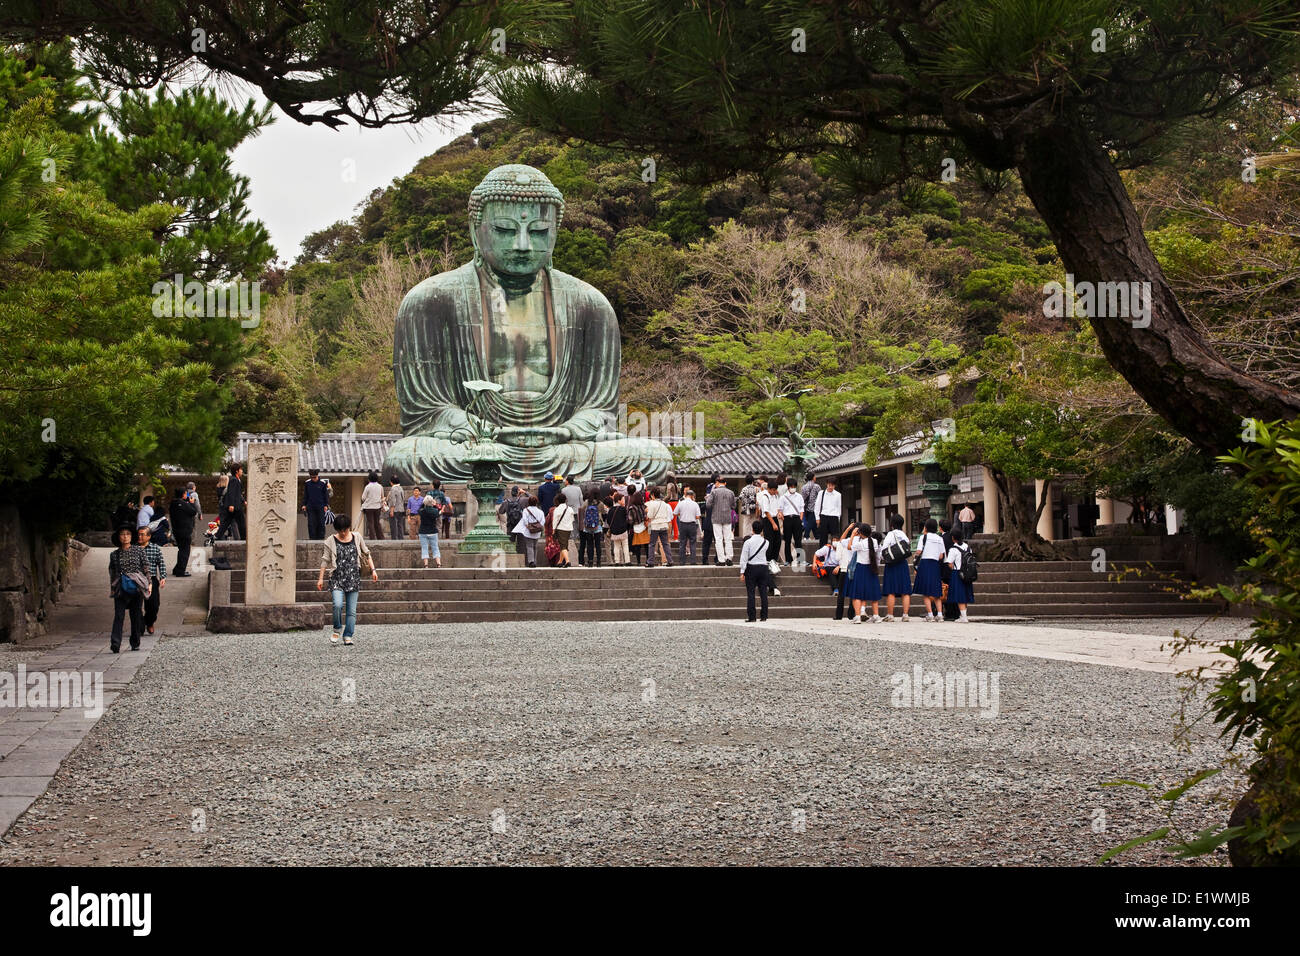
column 33, row 573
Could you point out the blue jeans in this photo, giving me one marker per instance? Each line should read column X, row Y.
column 351, row 598
column 429, row 542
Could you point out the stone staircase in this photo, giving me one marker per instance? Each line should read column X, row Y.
column 407, row 594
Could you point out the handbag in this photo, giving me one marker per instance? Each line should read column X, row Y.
column 853, row 563
column 897, row 552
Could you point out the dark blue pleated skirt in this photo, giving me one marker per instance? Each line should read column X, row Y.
column 928, row 580
column 959, row 592
column 865, row 586
column 898, row 578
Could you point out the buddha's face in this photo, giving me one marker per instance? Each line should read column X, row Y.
column 516, row 238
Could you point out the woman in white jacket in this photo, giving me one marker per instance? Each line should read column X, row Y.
column 530, row 527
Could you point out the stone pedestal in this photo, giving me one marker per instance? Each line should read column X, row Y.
column 486, row 536
column 272, row 523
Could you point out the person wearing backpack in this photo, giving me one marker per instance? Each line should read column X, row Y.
column 896, row 549
column 929, row 571
column 964, row 571
column 514, row 510
column 128, row 586
column 590, row 532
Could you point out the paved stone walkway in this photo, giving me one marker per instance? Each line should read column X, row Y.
column 35, row 740
column 1148, row 652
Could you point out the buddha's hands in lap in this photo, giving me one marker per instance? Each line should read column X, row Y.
column 532, row 437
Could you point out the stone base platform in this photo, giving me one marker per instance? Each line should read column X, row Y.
column 261, row 618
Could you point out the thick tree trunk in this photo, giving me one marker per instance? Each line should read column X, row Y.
column 1019, row 539
column 1079, row 194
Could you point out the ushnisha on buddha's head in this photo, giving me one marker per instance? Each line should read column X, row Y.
column 514, row 215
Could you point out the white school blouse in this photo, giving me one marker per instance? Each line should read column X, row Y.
column 931, row 546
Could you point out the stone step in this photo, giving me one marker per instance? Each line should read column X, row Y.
column 777, row 609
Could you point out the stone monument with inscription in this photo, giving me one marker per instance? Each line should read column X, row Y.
column 271, row 570
column 272, row 524
column 549, row 341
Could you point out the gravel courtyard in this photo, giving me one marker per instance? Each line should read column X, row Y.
column 602, row 743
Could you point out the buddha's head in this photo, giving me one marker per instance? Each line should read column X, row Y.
column 514, row 214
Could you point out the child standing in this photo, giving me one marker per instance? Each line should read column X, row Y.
column 929, row 576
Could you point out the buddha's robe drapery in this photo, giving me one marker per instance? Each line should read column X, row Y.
column 443, row 333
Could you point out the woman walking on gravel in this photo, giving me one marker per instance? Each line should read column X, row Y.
column 345, row 552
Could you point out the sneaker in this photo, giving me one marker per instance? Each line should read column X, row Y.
column 889, row 618
column 857, row 619
column 835, row 593
column 347, row 641
column 334, row 639
column 963, row 619
column 875, row 619
column 730, row 562
column 905, row 618
column 776, row 592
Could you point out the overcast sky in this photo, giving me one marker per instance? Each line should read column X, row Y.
column 304, row 178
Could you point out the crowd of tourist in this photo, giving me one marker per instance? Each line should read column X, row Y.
column 619, row 521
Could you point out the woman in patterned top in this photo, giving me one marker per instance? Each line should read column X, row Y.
column 128, row 576
column 345, row 551
column 157, row 575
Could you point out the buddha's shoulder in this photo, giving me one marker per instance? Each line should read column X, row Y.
column 580, row 290
column 444, row 285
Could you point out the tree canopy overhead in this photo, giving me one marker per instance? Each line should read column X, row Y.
column 371, row 62
column 1065, row 92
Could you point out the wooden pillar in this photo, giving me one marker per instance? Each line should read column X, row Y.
column 1045, row 519
column 992, row 516
column 352, row 498
column 901, row 471
column 867, row 497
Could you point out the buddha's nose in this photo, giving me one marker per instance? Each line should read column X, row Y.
column 521, row 240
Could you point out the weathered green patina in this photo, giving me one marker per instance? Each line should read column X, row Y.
column 550, row 341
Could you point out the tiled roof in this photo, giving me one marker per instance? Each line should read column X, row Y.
column 337, row 454
column 737, row 457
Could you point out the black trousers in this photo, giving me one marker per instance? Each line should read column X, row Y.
column 589, row 548
column 237, row 519
column 793, row 536
column 182, row 556
column 687, row 532
column 757, row 578
column 773, row 536
column 706, row 543
column 843, row 585
column 315, row 523
column 151, row 604
column 124, row 603
column 829, row 527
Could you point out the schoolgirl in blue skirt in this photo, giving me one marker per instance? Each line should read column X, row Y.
column 898, row 576
column 959, row 592
column 929, row 576
column 865, row 585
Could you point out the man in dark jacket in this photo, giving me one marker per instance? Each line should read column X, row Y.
column 182, row 513
column 232, row 506
column 315, row 498
column 546, row 492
